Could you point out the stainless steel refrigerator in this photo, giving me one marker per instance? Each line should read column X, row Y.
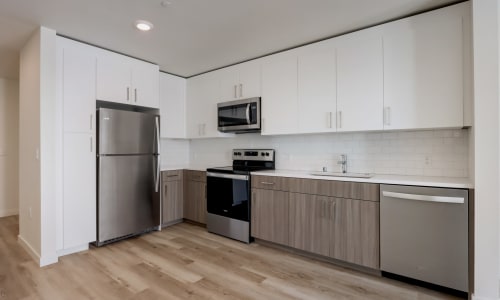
column 128, row 174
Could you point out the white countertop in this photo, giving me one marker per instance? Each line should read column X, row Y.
column 448, row 182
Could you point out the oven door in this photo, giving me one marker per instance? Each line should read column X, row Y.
column 228, row 195
column 240, row 115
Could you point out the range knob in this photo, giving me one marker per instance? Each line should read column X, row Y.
column 262, row 153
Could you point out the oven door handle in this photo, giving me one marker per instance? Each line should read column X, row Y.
column 228, row 176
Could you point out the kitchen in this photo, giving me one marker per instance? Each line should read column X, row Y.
column 445, row 145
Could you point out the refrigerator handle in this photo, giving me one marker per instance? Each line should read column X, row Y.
column 157, row 131
column 157, row 178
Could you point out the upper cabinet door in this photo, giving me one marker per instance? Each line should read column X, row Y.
column 228, row 83
column 423, row 70
column 78, row 86
column 240, row 81
column 360, row 81
column 279, row 94
column 172, row 106
column 145, row 84
column 317, row 88
column 249, row 79
column 113, row 77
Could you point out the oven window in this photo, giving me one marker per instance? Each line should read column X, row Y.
column 228, row 197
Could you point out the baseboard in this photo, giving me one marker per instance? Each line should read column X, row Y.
column 8, row 212
column 474, row 297
column 72, row 250
column 26, row 246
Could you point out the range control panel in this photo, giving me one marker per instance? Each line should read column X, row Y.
column 253, row 154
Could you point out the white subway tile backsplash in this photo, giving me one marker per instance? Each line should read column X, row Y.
column 430, row 152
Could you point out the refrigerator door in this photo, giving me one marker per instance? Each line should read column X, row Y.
column 128, row 200
column 127, row 132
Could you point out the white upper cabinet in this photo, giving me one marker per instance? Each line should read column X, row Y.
column 126, row 80
column 203, row 94
column 78, row 86
column 240, row 81
column 360, row 95
column 145, row 84
column 317, row 107
column 424, row 70
column 172, row 106
column 279, row 94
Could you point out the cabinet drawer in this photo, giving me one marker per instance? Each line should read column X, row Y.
column 332, row 188
column 171, row 175
column 192, row 175
column 270, row 182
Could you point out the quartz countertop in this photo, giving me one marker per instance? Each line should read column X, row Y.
column 447, row 182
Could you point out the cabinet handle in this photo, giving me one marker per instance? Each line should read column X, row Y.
column 128, row 93
column 267, row 183
column 329, row 119
column 235, row 91
column 172, row 175
column 339, row 119
column 387, row 115
column 91, row 146
column 135, row 94
column 332, row 210
column 241, row 90
column 91, row 125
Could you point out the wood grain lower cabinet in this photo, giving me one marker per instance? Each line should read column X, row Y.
column 269, row 216
column 355, row 237
column 195, row 196
column 311, row 223
column 335, row 219
column 173, row 194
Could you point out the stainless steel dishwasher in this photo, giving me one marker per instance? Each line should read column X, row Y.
column 424, row 234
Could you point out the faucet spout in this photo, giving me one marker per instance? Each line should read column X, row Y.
column 343, row 162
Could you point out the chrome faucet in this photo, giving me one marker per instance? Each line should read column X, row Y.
column 343, row 162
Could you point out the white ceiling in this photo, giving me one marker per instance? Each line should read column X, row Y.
column 193, row 36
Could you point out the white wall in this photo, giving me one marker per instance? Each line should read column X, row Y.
column 37, row 215
column 431, row 153
column 174, row 153
column 486, row 147
column 9, row 128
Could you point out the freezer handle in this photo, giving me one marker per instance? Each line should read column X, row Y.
column 442, row 199
column 157, row 174
column 157, row 131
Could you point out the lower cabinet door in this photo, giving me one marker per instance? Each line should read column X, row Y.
column 355, row 237
column 269, row 216
column 172, row 209
column 79, row 204
column 311, row 222
column 195, row 204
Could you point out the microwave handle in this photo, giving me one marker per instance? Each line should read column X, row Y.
column 248, row 113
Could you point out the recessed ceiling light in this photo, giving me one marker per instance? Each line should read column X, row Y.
column 143, row 25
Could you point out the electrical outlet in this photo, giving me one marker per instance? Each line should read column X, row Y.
column 428, row 160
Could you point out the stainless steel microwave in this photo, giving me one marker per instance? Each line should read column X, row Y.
column 239, row 116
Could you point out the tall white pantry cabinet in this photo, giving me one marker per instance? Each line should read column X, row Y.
column 76, row 97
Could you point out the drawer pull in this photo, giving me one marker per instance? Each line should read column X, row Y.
column 267, row 183
column 172, row 175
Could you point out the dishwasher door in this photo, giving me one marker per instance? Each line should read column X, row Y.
column 424, row 234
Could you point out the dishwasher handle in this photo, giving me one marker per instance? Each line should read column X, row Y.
column 442, row 199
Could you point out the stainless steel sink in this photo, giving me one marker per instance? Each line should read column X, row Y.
column 338, row 174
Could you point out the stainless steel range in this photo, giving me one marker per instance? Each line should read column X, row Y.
column 228, row 192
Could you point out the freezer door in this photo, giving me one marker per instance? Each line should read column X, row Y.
column 127, row 132
column 127, row 200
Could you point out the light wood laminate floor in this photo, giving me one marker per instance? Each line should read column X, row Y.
column 185, row 262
